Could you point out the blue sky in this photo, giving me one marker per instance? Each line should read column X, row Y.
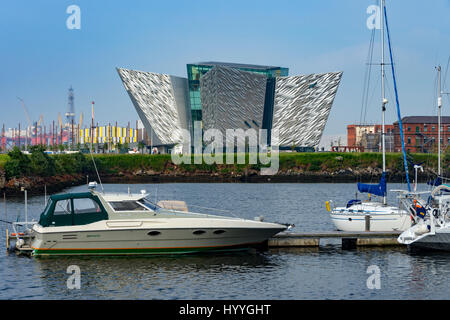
column 41, row 58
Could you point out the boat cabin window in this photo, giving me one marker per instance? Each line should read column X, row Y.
column 127, row 206
column 62, row 207
column 149, row 204
column 85, row 205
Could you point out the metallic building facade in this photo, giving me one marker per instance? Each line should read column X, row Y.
column 196, row 71
column 302, row 105
column 233, row 96
column 161, row 102
column 232, row 99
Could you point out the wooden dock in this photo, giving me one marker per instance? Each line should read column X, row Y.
column 349, row 240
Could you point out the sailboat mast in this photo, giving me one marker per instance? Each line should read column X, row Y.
column 439, row 120
column 383, row 99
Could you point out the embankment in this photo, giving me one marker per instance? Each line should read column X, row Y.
column 60, row 171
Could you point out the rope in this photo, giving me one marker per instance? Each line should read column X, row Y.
column 396, row 99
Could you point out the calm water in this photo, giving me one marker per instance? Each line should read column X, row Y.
column 324, row 273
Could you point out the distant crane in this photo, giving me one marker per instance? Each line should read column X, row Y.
column 28, row 119
column 41, row 120
column 26, row 111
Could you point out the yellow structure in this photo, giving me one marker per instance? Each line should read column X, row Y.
column 108, row 134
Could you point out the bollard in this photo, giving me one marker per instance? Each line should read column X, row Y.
column 367, row 218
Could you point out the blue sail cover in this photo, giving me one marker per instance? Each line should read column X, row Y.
column 435, row 183
column 376, row 189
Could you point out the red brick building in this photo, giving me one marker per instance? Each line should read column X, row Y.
column 421, row 134
column 369, row 136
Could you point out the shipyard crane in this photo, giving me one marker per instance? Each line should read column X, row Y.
column 30, row 126
column 26, row 111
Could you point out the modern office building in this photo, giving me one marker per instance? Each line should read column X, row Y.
column 233, row 96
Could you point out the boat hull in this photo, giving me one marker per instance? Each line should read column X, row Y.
column 378, row 222
column 149, row 241
column 439, row 241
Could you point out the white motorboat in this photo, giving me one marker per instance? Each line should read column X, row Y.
column 97, row 223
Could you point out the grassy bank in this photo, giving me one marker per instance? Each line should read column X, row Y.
column 302, row 162
column 295, row 167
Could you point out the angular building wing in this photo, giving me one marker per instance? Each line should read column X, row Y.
column 161, row 102
column 301, row 107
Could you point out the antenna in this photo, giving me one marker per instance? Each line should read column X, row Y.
column 70, row 114
column 96, row 171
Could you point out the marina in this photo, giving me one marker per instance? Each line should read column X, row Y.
column 295, row 272
column 203, row 152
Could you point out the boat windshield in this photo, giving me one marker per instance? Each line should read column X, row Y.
column 127, row 206
column 149, row 204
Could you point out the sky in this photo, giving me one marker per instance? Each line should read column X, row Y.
column 41, row 58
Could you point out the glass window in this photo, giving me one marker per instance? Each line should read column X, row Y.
column 85, row 205
column 149, row 204
column 126, row 206
column 62, row 207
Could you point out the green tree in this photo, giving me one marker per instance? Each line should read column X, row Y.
column 18, row 164
column 41, row 163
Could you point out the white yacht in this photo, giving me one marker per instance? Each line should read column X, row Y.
column 433, row 229
column 97, row 223
column 372, row 215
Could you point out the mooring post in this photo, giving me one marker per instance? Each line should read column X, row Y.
column 349, row 243
column 367, row 218
column 7, row 239
column 26, row 209
column 4, row 203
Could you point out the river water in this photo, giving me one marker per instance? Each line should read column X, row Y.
column 327, row 272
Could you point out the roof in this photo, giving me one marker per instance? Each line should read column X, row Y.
column 424, row 119
column 236, row 65
column 66, row 196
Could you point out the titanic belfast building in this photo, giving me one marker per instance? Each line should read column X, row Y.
column 233, row 96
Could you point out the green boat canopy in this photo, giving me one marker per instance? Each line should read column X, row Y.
column 72, row 209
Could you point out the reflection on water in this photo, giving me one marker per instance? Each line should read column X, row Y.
column 327, row 272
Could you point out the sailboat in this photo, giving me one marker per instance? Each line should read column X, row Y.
column 372, row 215
column 432, row 230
